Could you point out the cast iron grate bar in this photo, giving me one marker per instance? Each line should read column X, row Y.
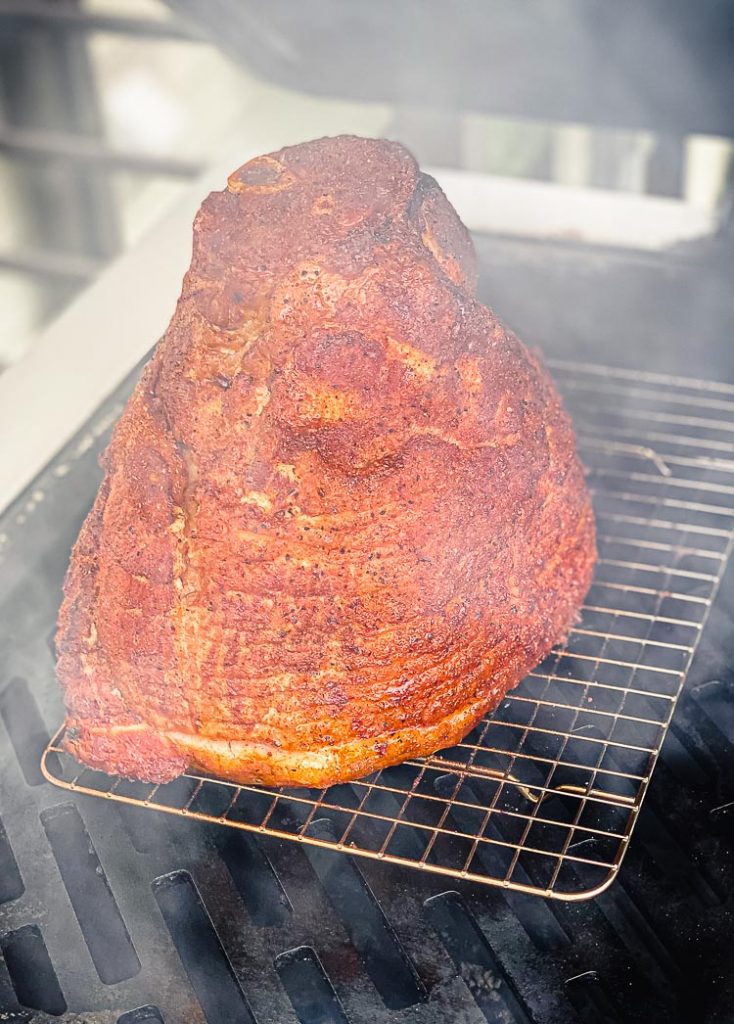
column 31, row 971
column 25, row 726
column 90, row 894
column 470, row 950
column 11, row 882
column 142, row 1015
column 541, row 797
column 309, row 989
column 201, row 951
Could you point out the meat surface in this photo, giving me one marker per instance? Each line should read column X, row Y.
column 342, row 513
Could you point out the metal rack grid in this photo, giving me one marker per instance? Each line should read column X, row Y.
column 543, row 795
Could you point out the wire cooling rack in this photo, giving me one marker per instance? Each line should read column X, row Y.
column 543, row 796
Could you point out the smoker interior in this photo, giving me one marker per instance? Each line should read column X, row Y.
column 542, row 795
column 114, row 914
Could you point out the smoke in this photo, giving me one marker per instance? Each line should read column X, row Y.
column 491, row 82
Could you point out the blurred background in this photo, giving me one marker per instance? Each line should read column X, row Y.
column 587, row 145
column 111, row 108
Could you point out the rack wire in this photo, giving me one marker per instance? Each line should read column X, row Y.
column 543, row 795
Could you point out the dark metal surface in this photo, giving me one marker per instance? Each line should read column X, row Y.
column 282, row 932
column 543, row 795
column 660, row 65
column 671, row 313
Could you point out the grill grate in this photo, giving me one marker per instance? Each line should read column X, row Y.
column 543, row 796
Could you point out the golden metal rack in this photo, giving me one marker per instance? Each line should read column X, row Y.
column 543, row 796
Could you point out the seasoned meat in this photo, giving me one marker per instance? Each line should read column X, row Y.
column 342, row 513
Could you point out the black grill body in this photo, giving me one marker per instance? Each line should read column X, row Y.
column 113, row 914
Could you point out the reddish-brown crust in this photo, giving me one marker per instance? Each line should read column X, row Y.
column 342, row 513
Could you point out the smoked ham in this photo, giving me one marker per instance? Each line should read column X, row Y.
column 342, row 513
